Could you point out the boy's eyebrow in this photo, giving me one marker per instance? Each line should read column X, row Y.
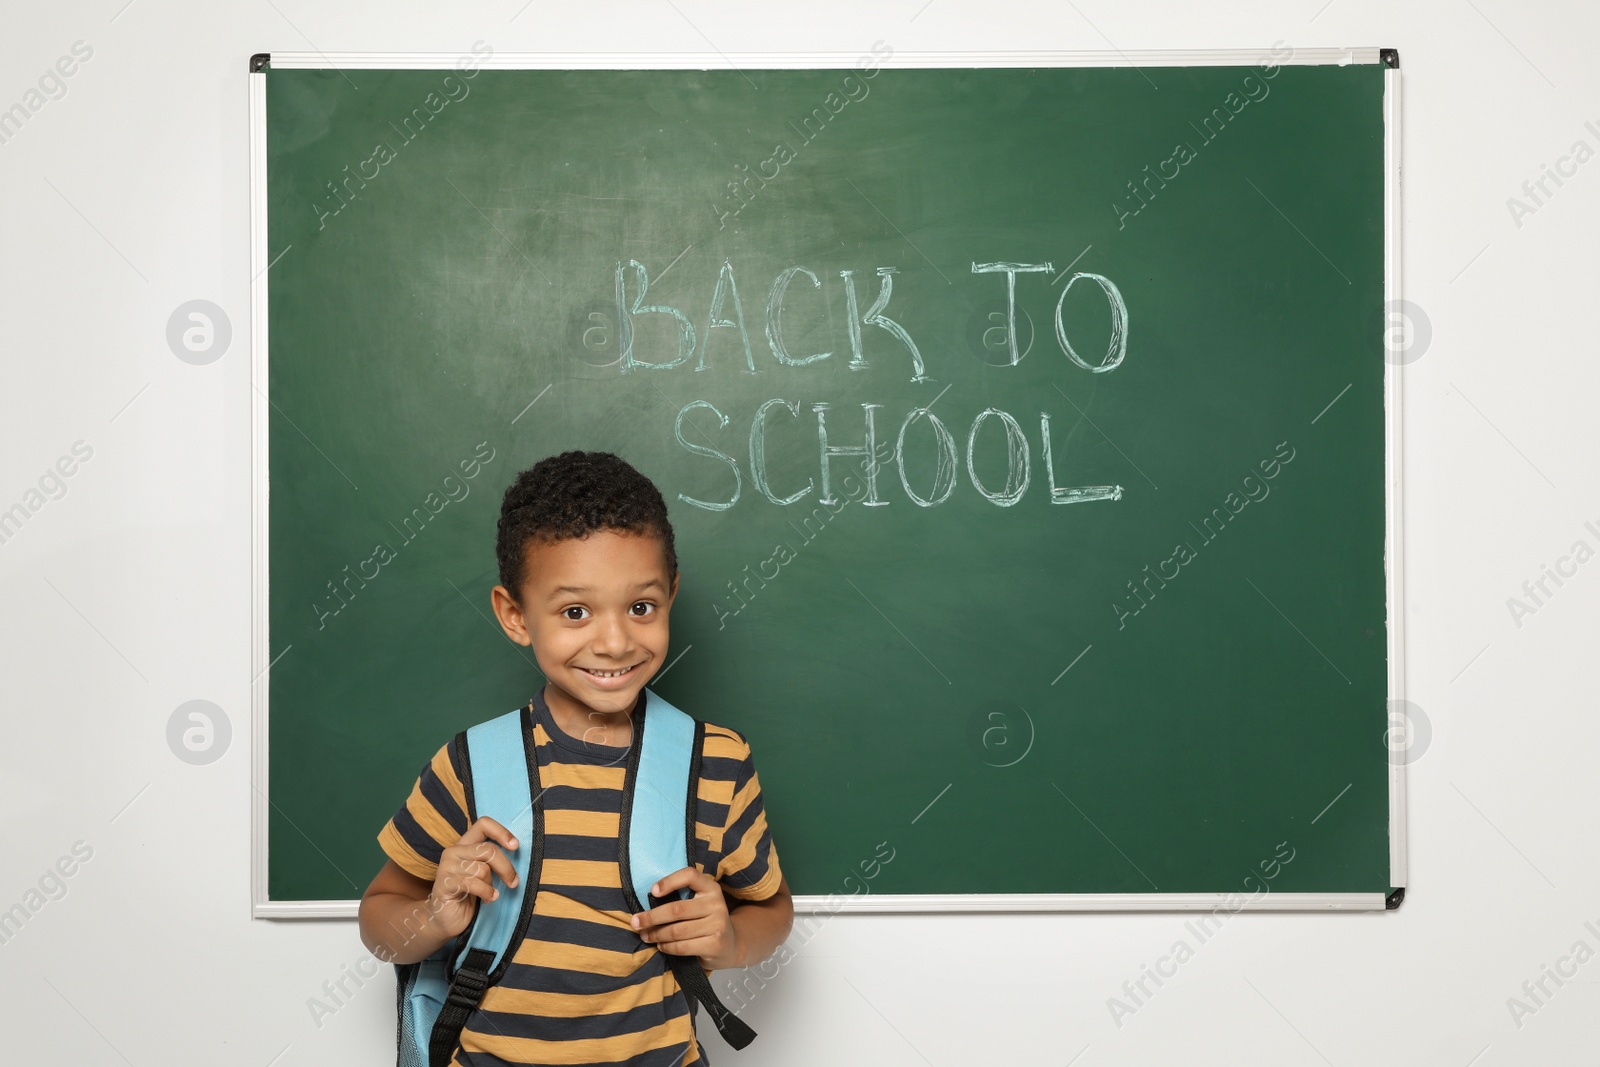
column 558, row 590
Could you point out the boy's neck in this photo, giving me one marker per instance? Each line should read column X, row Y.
column 578, row 720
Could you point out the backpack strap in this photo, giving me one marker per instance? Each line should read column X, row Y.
column 660, row 795
column 502, row 765
column 659, row 836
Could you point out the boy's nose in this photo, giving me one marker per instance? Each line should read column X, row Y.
column 612, row 638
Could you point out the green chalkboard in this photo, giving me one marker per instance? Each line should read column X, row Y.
column 1110, row 619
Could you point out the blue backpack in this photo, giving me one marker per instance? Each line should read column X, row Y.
column 656, row 837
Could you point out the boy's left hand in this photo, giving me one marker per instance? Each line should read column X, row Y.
column 699, row 926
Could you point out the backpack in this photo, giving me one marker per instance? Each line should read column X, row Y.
column 656, row 837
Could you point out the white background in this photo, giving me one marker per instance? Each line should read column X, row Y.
column 130, row 595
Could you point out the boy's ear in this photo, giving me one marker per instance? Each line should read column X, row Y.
column 509, row 614
column 673, row 592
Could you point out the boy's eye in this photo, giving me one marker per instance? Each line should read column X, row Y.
column 646, row 605
column 567, row 613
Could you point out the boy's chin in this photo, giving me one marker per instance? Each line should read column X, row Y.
column 612, row 697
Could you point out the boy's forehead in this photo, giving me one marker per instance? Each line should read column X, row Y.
column 605, row 559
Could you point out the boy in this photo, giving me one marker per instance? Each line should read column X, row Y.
column 588, row 573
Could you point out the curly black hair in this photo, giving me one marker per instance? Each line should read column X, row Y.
column 572, row 495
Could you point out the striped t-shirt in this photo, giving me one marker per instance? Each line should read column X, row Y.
column 583, row 988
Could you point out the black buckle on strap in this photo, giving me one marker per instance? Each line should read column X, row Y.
column 466, row 988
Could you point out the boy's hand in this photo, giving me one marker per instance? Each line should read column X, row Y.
column 464, row 875
column 699, row 926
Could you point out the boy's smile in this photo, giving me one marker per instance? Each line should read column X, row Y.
column 595, row 611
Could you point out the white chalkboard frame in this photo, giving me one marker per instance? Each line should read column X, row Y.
column 262, row 258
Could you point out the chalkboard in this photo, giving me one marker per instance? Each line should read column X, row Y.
column 1103, row 615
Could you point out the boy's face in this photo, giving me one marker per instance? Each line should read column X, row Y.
column 591, row 607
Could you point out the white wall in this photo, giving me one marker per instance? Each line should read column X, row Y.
column 130, row 595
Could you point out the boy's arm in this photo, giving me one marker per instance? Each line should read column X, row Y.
column 396, row 922
column 405, row 917
column 437, row 869
column 723, row 930
column 760, row 926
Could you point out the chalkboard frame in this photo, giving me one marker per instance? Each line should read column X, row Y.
column 262, row 258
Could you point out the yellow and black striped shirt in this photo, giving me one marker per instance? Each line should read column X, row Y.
column 583, row 988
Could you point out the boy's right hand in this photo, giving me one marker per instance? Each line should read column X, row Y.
column 463, row 877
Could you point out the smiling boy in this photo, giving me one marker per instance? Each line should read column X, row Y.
column 588, row 575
